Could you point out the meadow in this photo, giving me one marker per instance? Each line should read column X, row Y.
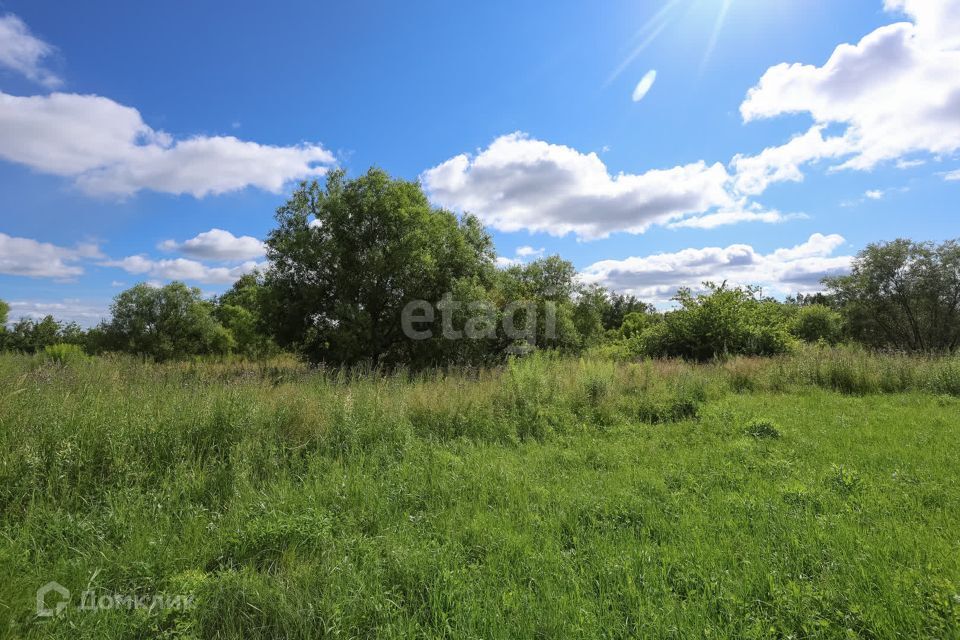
column 812, row 495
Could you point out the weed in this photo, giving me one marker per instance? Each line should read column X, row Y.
column 761, row 429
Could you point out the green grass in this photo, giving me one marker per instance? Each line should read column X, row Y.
column 800, row 497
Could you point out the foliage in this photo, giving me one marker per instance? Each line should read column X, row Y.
column 241, row 311
column 548, row 285
column 64, row 353
column 619, row 306
column 903, row 295
column 347, row 258
column 636, row 322
column 551, row 497
column 723, row 322
column 817, row 323
column 31, row 336
column 164, row 323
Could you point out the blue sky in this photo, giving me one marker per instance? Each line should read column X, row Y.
column 152, row 141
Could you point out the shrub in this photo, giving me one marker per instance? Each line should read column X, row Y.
column 170, row 322
column 817, row 323
column 723, row 322
column 64, row 353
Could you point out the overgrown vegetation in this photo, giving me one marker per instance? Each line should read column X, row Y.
column 903, row 295
column 550, row 497
column 542, row 459
column 348, row 259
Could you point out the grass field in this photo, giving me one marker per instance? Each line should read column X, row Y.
column 803, row 497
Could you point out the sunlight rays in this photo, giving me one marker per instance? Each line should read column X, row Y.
column 648, row 33
column 654, row 27
column 715, row 35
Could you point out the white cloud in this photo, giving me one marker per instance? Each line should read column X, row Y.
column 217, row 244
column 182, row 269
column 952, row 175
column 755, row 213
column 521, row 183
column 896, row 92
column 875, row 194
column 522, row 254
column 27, row 257
column 24, row 53
column 778, row 164
column 937, row 20
column 84, row 313
column 909, row 164
column 643, row 87
column 527, row 251
column 656, row 278
column 108, row 150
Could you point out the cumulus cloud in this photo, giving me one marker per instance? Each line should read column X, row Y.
column 28, row 257
column 643, row 87
column 937, row 20
column 182, row 269
column 527, row 251
column 895, row 93
column 521, row 183
column 521, row 255
column 217, row 244
column 952, row 175
column 24, row 53
column 84, row 313
column 656, row 278
column 753, row 174
column 108, row 149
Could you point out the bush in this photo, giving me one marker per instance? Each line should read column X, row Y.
column 724, row 322
column 817, row 323
column 64, row 353
column 903, row 295
column 164, row 323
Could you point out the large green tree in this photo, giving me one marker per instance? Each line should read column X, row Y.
column 347, row 257
column 241, row 311
column 903, row 295
column 538, row 301
column 163, row 323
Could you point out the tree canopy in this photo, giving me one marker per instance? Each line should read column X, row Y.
column 346, row 258
column 366, row 270
column 903, row 295
column 167, row 322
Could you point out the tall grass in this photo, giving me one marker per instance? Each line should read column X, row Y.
column 550, row 497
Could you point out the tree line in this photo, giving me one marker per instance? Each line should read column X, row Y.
column 347, row 259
